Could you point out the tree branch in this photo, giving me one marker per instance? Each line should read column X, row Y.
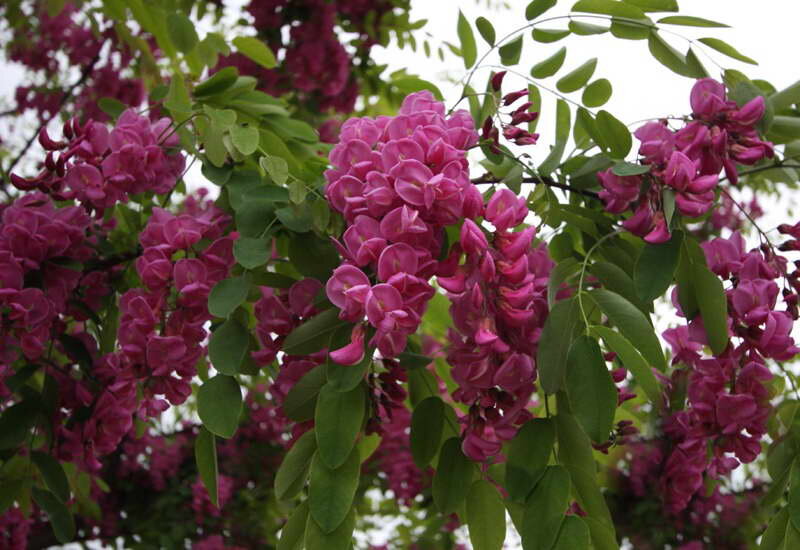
column 549, row 182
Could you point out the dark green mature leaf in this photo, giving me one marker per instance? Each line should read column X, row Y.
column 597, row 93
column 551, row 65
column 312, row 256
column 694, row 65
column 725, row 48
column 633, row 361
column 331, row 491
column 511, row 52
column 486, row 30
column 344, row 378
column 574, row 535
column 630, row 169
column 293, row 471
column 453, row 477
column 217, row 83
column 546, row 36
column 794, row 494
column 338, row 419
column 340, row 538
column 219, row 404
column 486, row 517
column 667, row 55
column 656, row 266
column 577, row 78
column 713, row 306
column 181, row 32
column 563, row 124
column 227, row 295
column 614, row 134
column 560, row 273
column 301, row 400
column 632, row 323
column 314, row 334
column 689, row 21
column 544, row 510
column 469, row 50
column 293, row 532
column 592, row 393
column 582, row 28
column 53, row 474
column 528, row 454
column 427, row 426
column 228, row 347
column 256, row 50
column 537, row 8
column 773, row 537
column 60, row 517
column 251, row 252
column 205, row 456
column 615, row 279
column 557, row 336
column 16, row 421
column 10, row 493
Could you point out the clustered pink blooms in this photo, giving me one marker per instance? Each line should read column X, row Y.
column 398, row 181
column 688, row 161
column 99, row 168
column 201, row 502
column 14, row 529
column 728, row 401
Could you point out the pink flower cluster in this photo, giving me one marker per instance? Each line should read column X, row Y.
column 688, row 161
column 14, row 529
column 728, row 401
column 398, row 181
column 201, row 502
column 499, row 305
column 511, row 129
column 99, row 168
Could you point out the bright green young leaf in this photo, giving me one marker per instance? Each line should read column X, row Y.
column 609, row 7
column 331, row 491
column 227, row 295
column 112, row 107
column 614, row 133
column 574, row 535
column 694, row 66
column 559, row 330
column 427, row 426
column 551, row 65
column 656, row 266
column 655, row 5
column 630, row 169
column 563, row 125
column 245, row 139
column 689, row 21
column 178, row 100
column 486, row 517
column 293, row 532
column 338, row 419
column 597, row 93
column 528, row 454
column 628, row 29
column 205, row 456
column 276, row 167
column 293, row 471
column 592, row 393
column 228, row 347
column 486, row 30
column 511, row 52
column 544, row 510
column 314, row 334
column 301, row 400
column 586, row 121
column 469, row 50
column 537, row 8
column 581, row 28
column 217, row 83
column 219, row 405
column 181, row 32
column 256, row 50
column 633, row 361
column 340, row 538
column 725, row 48
column 546, row 36
column 60, row 517
column 453, row 477
column 53, row 474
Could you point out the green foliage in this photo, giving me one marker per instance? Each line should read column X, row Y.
column 219, row 404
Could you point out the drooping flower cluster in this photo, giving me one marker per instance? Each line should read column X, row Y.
column 99, row 168
column 727, row 399
column 687, row 162
column 520, row 115
column 398, row 181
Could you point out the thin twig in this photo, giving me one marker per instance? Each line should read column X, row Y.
column 544, row 181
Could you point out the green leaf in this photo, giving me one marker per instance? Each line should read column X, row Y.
column 560, row 273
column 511, row 52
column 16, row 422
column 245, row 139
column 486, row 30
column 713, row 306
column 655, row 5
column 725, row 48
column 592, row 393
column 559, row 330
column 633, row 361
column 251, row 252
column 614, row 133
column 296, row 217
column 544, row 510
column 615, row 279
column 338, row 419
column 293, row 532
column 312, row 256
column 205, row 455
column 547, row 36
column 453, row 477
column 574, row 535
column 344, row 378
column 551, row 65
column 486, row 517
column 411, row 84
column 293, row 471
column 689, row 21
column 427, row 425
column 53, row 474
column 528, row 454
column 630, row 169
column 469, row 50
column 609, row 7
column 227, row 295
column 228, row 347
column 340, row 538
column 597, row 93
column 301, row 400
column 60, row 517
column 582, row 28
column 633, row 324
column 667, row 55
column 773, row 537
column 181, row 32
column 178, row 99
column 112, row 107
column 256, row 50
column 219, row 404
column 656, row 266
column 276, row 167
column 694, row 66
column 331, row 491
column 537, row 8
column 217, row 83
column 314, row 334
column 794, row 494
column 563, row 124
